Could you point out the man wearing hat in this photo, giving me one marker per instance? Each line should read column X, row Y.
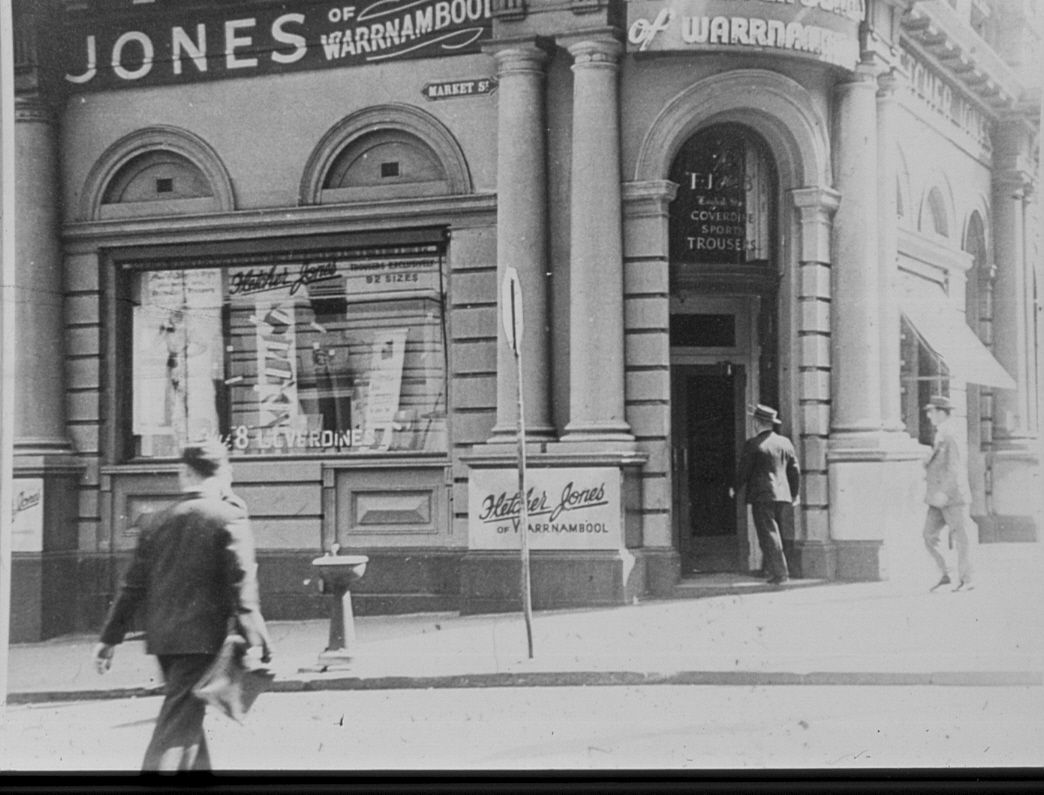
column 948, row 494
column 769, row 474
column 194, row 573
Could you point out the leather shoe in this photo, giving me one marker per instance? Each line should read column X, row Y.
column 964, row 586
column 944, row 581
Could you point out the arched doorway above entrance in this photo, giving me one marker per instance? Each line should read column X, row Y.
column 723, row 334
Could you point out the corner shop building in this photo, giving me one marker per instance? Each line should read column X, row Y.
column 287, row 224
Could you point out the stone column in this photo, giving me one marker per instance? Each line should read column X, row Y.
column 888, row 253
column 40, row 350
column 1015, row 455
column 856, row 270
column 46, row 473
column 1011, row 295
column 522, row 235
column 596, row 377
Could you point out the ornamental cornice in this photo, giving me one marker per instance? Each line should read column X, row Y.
column 935, row 31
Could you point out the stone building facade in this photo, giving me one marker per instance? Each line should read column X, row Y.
column 289, row 224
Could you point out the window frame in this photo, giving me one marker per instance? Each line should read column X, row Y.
column 117, row 434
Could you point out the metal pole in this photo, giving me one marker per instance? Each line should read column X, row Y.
column 527, row 600
column 7, row 325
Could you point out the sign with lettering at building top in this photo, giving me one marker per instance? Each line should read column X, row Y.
column 568, row 509
column 110, row 44
column 820, row 30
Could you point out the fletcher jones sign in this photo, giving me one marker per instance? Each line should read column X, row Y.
column 823, row 30
column 568, row 509
column 134, row 45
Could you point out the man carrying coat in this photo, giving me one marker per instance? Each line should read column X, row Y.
column 948, row 495
column 768, row 472
column 195, row 575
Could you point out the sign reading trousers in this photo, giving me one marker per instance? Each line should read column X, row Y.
column 568, row 509
column 120, row 45
column 822, row 30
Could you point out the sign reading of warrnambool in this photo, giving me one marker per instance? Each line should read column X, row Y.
column 821, row 30
column 109, row 46
column 567, row 509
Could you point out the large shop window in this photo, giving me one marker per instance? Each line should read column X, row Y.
column 334, row 352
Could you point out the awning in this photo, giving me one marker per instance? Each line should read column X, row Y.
column 942, row 328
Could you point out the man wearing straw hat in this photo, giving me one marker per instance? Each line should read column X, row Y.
column 948, row 495
column 769, row 474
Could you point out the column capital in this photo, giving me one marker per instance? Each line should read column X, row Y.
column 815, row 199
column 597, row 50
column 33, row 110
column 651, row 197
column 529, row 54
column 889, row 83
column 816, row 206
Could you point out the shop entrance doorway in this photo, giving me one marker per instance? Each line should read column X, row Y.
column 708, row 425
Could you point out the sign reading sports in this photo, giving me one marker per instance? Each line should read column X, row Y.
column 821, row 30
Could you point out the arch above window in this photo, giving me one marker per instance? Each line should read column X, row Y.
column 157, row 171
column 385, row 152
column 935, row 215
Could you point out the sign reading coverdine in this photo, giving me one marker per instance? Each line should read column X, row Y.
column 568, row 509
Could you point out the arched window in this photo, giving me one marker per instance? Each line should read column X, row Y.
column 387, row 163
column 724, row 211
column 935, row 217
column 156, row 176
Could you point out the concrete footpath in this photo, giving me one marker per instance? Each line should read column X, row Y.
column 882, row 633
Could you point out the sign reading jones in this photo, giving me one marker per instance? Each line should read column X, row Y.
column 568, row 509
column 824, row 30
column 147, row 45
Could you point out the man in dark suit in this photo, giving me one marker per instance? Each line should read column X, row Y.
column 195, row 574
column 948, row 494
column 769, row 475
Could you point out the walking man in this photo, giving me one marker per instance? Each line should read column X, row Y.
column 948, row 494
column 195, row 575
column 769, row 474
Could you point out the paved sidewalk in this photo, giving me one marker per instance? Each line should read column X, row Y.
column 892, row 632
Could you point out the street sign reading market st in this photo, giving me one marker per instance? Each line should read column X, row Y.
column 110, row 46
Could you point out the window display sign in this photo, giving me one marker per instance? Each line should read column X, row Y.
column 822, row 30
column 338, row 352
column 108, row 44
column 27, row 515
column 568, row 509
column 722, row 212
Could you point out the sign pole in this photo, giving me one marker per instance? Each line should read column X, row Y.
column 512, row 307
column 7, row 327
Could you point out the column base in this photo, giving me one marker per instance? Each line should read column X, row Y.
column 659, row 570
column 1016, row 502
column 876, row 507
column 44, row 543
column 811, row 560
column 502, row 434
column 598, row 432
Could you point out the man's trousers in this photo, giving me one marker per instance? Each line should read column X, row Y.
column 957, row 518
column 178, row 742
column 767, row 519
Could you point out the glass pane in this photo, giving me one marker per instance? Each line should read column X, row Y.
column 326, row 355
column 723, row 211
